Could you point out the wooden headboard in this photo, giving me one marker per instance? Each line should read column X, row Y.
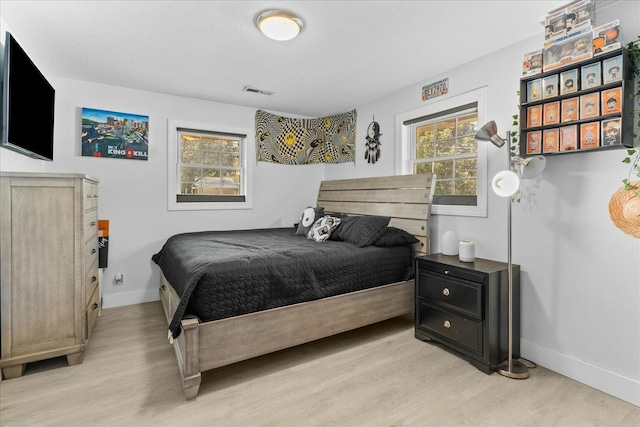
column 404, row 198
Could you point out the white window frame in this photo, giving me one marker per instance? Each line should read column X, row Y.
column 404, row 155
column 173, row 173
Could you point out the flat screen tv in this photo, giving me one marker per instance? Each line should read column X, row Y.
column 28, row 103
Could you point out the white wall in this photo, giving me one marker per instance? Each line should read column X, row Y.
column 580, row 274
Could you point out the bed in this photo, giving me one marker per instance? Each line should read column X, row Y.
column 367, row 285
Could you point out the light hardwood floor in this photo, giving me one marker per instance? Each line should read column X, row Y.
column 376, row 376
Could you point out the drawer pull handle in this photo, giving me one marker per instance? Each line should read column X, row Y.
column 94, row 306
column 92, row 223
column 162, row 287
column 445, row 292
column 447, row 272
column 93, row 279
column 447, row 324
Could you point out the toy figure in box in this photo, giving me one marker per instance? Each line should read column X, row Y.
column 611, row 132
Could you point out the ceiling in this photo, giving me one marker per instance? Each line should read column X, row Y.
column 349, row 54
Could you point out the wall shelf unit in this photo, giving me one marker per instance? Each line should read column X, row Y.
column 581, row 106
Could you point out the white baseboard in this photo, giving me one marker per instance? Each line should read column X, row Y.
column 627, row 389
column 121, row 299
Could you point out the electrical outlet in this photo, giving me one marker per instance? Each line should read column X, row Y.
column 119, row 279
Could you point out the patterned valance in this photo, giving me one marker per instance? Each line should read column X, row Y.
column 292, row 141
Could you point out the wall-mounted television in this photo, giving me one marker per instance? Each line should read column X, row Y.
column 28, row 104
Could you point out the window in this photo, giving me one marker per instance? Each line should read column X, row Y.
column 209, row 169
column 440, row 138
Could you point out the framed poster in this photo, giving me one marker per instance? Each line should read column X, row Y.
column 569, row 110
column 534, row 90
column 610, row 131
column 114, row 135
column 569, row 81
column 534, row 142
column 590, row 135
column 612, row 69
column 551, row 113
column 611, row 102
column 569, row 138
column 550, row 85
column 550, row 140
column 589, row 106
column 534, row 116
column 591, row 76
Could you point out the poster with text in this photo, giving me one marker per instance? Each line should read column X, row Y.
column 114, row 135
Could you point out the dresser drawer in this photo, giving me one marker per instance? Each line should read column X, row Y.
column 90, row 195
column 456, row 294
column 90, row 224
column 93, row 308
column 91, row 251
column 460, row 330
column 90, row 282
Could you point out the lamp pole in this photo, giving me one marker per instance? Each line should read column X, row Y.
column 511, row 368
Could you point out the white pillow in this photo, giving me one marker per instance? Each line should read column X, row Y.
column 321, row 229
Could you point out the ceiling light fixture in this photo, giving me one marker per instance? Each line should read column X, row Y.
column 279, row 24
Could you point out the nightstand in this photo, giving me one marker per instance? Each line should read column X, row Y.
column 463, row 306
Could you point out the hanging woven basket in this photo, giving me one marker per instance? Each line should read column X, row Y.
column 624, row 209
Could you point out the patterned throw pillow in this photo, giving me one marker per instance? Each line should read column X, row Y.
column 321, row 229
column 309, row 216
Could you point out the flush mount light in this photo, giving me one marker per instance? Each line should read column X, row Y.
column 278, row 24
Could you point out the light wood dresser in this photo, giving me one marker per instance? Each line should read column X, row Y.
column 49, row 280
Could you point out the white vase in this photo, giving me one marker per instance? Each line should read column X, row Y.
column 449, row 243
column 467, row 251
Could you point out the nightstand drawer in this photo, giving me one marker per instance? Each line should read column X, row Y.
column 456, row 294
column 461, row 330
column 451, row 271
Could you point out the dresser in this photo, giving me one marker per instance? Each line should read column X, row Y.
column 464, row 307
column 49, row 273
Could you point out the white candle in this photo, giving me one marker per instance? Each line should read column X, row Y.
column 467, row 252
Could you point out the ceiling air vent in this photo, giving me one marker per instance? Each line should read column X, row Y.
column 255, row 90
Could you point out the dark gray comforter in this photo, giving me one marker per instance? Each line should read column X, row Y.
column 220, row 274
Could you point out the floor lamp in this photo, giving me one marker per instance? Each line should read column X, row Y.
column 505, row 184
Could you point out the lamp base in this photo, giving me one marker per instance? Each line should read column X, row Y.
column 517, row 370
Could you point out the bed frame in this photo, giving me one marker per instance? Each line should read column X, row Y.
column 209, row 345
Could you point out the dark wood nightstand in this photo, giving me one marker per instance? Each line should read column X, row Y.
column 464, row 307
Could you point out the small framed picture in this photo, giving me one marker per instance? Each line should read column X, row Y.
column 534, row 142
column 550, row 86
column 569, row 81
column 611, row 102
column 610, row 131
column 534, row 116
column 569, row 138
column 534, row 90
column 589, row 135
column 612, row 69
column 550, row 140
column 589, row 106
column 591, row 76
column 551, row 113
column 569, row 110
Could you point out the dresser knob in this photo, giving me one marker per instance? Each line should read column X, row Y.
column 447, row 272
column 93, row 279
column 93, row 251
column 447, row 324
column 94, row 306
column 445, row 292
column 92, row 223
